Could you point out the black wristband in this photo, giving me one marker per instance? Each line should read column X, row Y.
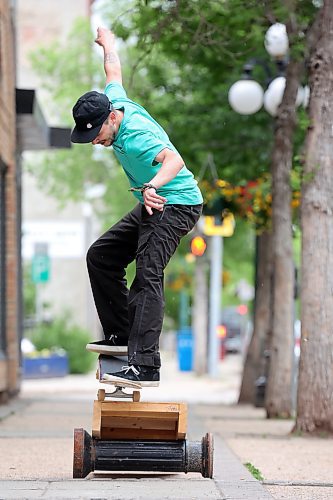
column 147, row 185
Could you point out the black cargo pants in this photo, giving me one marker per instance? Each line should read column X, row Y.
column 136, row 315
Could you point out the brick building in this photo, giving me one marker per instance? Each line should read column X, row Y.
column 10, row 290
column 22, row 127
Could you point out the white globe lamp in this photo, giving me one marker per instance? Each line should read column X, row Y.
column 276, row 41
column 276, row 88
column 306, row 96
column 246, row 97
column 270, row 104
column 300, row 96
column 274, row 94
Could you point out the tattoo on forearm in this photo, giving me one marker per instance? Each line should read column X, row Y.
column 110, row 58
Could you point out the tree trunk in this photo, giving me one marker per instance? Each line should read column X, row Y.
column 199, row 317
column 279, row 387
column 315, row 388
column 254, row 363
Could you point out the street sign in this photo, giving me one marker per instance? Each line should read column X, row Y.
column 211, row 228
column 40, row 264
column 40, row 268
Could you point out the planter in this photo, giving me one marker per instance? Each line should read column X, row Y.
column 55, row 365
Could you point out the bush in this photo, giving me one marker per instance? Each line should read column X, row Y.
column 73, row 339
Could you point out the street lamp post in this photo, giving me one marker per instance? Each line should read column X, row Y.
column 276, row 44
column 246, row 96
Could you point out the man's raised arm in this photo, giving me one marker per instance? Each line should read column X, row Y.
column 112, row 67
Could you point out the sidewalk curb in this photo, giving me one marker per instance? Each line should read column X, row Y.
column 232, row 479
column 13, row 406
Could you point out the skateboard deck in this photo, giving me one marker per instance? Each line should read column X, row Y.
column 108, row 363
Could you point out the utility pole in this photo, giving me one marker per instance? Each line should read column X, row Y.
column 200, row 316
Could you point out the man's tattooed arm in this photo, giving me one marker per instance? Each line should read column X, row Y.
column 112, row 66
column 110, row 58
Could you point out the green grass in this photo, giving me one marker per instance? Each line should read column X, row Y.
column 297, row 433
column 254, row 471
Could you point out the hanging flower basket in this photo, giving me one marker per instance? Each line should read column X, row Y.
column 215, row 201
column 252, row 200
column 215, row 207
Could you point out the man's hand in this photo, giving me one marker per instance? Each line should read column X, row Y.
column 153, row 200
column 105, row 38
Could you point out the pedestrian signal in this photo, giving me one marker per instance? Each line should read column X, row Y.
column 198, row 246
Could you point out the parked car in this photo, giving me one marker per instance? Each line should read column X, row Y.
column 234, row 327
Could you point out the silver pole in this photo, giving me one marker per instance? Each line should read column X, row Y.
column 216, row 256
column 200, row 316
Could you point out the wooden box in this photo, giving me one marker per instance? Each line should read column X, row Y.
column 157, row 421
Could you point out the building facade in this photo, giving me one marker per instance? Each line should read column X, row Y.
column 10, row 274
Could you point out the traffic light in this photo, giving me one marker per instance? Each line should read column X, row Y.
column 219, row 225
column 198, row 246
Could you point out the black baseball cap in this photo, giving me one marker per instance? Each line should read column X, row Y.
column 90, row 112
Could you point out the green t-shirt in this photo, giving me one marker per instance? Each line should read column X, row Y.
column 138, row 141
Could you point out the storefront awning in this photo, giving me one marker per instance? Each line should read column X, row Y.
column 33, row 133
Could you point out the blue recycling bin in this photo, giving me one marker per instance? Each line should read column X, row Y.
column 185, row 349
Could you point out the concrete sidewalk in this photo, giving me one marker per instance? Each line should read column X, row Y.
column 36, row 437
column 293, row 467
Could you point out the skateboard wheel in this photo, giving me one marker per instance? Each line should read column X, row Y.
column 101, row 394
column 136, row 396
column 82, row 463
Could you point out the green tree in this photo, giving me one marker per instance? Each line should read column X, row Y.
column 315, row 389
column 186, row 57
column 61, row 333
column 29, row 293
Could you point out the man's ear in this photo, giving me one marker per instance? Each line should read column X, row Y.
column 113, row 117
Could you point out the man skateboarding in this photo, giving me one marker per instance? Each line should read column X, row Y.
column 170, row 204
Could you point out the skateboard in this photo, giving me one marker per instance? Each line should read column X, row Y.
column 109, row 363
